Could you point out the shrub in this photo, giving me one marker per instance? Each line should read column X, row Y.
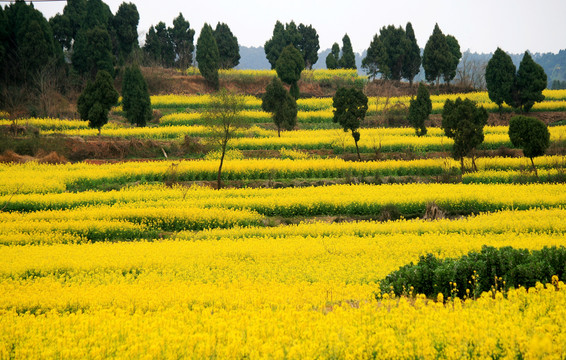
column 476, row 272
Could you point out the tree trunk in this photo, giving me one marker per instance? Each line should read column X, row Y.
column 218, row 181
column 99, row 131
column 279, row 131
column 462, row 164
column 534, row 167
column 358, row 151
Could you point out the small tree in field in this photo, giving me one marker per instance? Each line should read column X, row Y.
column 96, row 100
column 350, row 107
column 531, row 135
column 463, row 121
column 281, row 104
column 135, row 97
column 419, row 110
column 289, row 66
column 223, row 118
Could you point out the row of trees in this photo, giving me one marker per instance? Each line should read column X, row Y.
column 304, row 38
column 520, row 88
column 395, row 54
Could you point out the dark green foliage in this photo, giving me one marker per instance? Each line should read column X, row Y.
column 97, row 99
column 477, row 272
column 348, row 59
column 372, row 60
column 500, row 77
column 419, row 110
column 208, row 57
column 436, row 56
column 350, row 107
column 126, row 26
column 289, row 67
column 135, row 97
column 450, row 70
column 303, row 38
column 97, row 14
column 275, row 45
column 159, row 45
column 531, row 81
column 66, row 26
column 390, row 52
column 182, row 37
column 529, row 134
column 412, row 60
column 463, row 121
column 92, row 52
column 281, row 104
column 308, row 45
column 27, row 43
column 333, row 59
column 228, row 48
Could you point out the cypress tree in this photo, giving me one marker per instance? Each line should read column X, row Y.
column 455, row 55
column 281, row 104
column 228, row 49
column 348, row 59
column 419, row 110
column 208, row 57
column 412, row 60
column 308, row 45
column 275, row 45
column 182, row 37
column 136, row 102
column 92, row 52
column 372, row 59
column 126, row 25
column 500, row 77
column 350, row 107
column 436, row 56
column 531, row 81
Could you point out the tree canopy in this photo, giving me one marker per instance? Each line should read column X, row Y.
column 136, row 102
column 304, row 38
column 500, row 78
column 463, row 121
column 97, row 99
column 228, row 49
column 348, row 59
column 531, row 135
column 420, row 109
column 350, row 107
column 333, row 58
column 437, row 56
column 530, row 82
column 289, row 67
column 182, row 37
column 208, row 57
column 281, row 104
column 126, row 25
column 308, row 45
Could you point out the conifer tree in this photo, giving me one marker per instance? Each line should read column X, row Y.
column 308, row 45
column 208, row 58
column 228, row 49
column 412, row 59
column 281, row 104
column 96, row 100
column 500, row 78
column 289, row 67
column 333, row 58
column 136, row 102
column 420, row 109
column 436, row 56
column 182, row 37
column 348, row 59
column 530, row 82
column 350, row 107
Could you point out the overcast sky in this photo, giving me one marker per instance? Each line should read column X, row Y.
column 479, row 25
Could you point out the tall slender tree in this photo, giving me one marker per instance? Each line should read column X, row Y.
column 228, row 48
column 126, row 25
column 455, row 56
column 275, row 45
column 500, row 78
column 208, row 57
column 348, row 59
column 436, row 56
column 135, row 97
column 412, row 60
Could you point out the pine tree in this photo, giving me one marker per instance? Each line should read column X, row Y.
column 208, row 57
column 289, row 67
column 420, row 109
column 531, row 81
column 500, row 78
column 348, row 59
column 136, row 102
column 372, row 59
column 275, row 45
column 228, row 48
column 92, row 52
column 281, row 104
column 436, row 56
column 96, row 100
column 412, row 60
